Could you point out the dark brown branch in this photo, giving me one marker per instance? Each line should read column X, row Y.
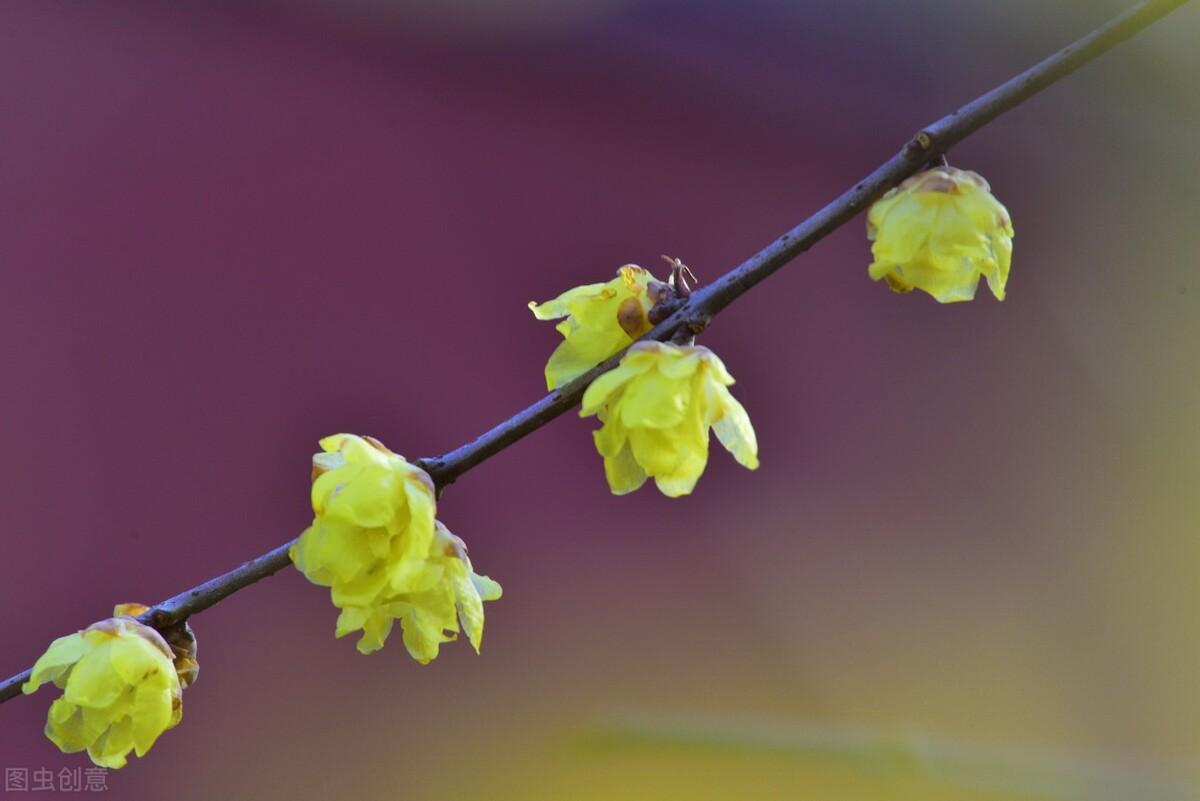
column 929, row 143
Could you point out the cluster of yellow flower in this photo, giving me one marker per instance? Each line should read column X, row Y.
column 375, row 543
column 939, row 231
column 374, row 539
column 657, row 406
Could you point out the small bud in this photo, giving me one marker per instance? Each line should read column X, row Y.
column 658, row 292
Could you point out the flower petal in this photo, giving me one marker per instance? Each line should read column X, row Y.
column 734, row 430
column 58, row 659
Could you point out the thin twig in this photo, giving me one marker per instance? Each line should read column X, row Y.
column 929, row 143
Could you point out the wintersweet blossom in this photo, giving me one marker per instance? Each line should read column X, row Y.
column 656, row 408
column 448, row 591
column 939, row 231
column 120, row 689
column 375, row 543
column 598, row 321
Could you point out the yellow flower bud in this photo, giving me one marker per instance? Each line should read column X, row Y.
column 939, row 231
column 599, row 320
column 375, row 543
column 120, row 690
column 656, row 408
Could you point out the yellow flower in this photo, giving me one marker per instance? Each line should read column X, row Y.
column 429, row 613
column 939, row 231
column 375, row 543
column 656, row 408
column 120, row 689
column 600, row 320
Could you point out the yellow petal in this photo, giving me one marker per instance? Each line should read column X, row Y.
column 363, row 495
column 714, row 368
column 135, row 661
column 66, row 727
column 150, row 716
column 654, row 401
column 623, row 473
column 422, row 636
column 332, row 551
column 110, row 748
column 611, row 438
column 683, row 480
column 364, row 589
column 683, row 362
column 470, row 606
column 351, row 619
column 59, row 657
column 576, row 355
column 658, row 451
column 734, row 431
column 487, row 589
column 600, row 320
column 421, row 508
column 602, row 389
column 560, row 306
column 93, row 682
column 376, row 629
column 997, row 279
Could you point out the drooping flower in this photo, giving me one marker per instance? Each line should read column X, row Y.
column 598, row 321
column 120, row 689
column 448, row 592
column 939, row 231
column 375, row 543
column 656, row 408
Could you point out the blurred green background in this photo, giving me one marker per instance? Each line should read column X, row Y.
column 966, row 569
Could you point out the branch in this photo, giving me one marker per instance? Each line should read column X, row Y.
column 931, row 142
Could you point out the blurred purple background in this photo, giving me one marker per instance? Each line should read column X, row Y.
column 230, row 229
